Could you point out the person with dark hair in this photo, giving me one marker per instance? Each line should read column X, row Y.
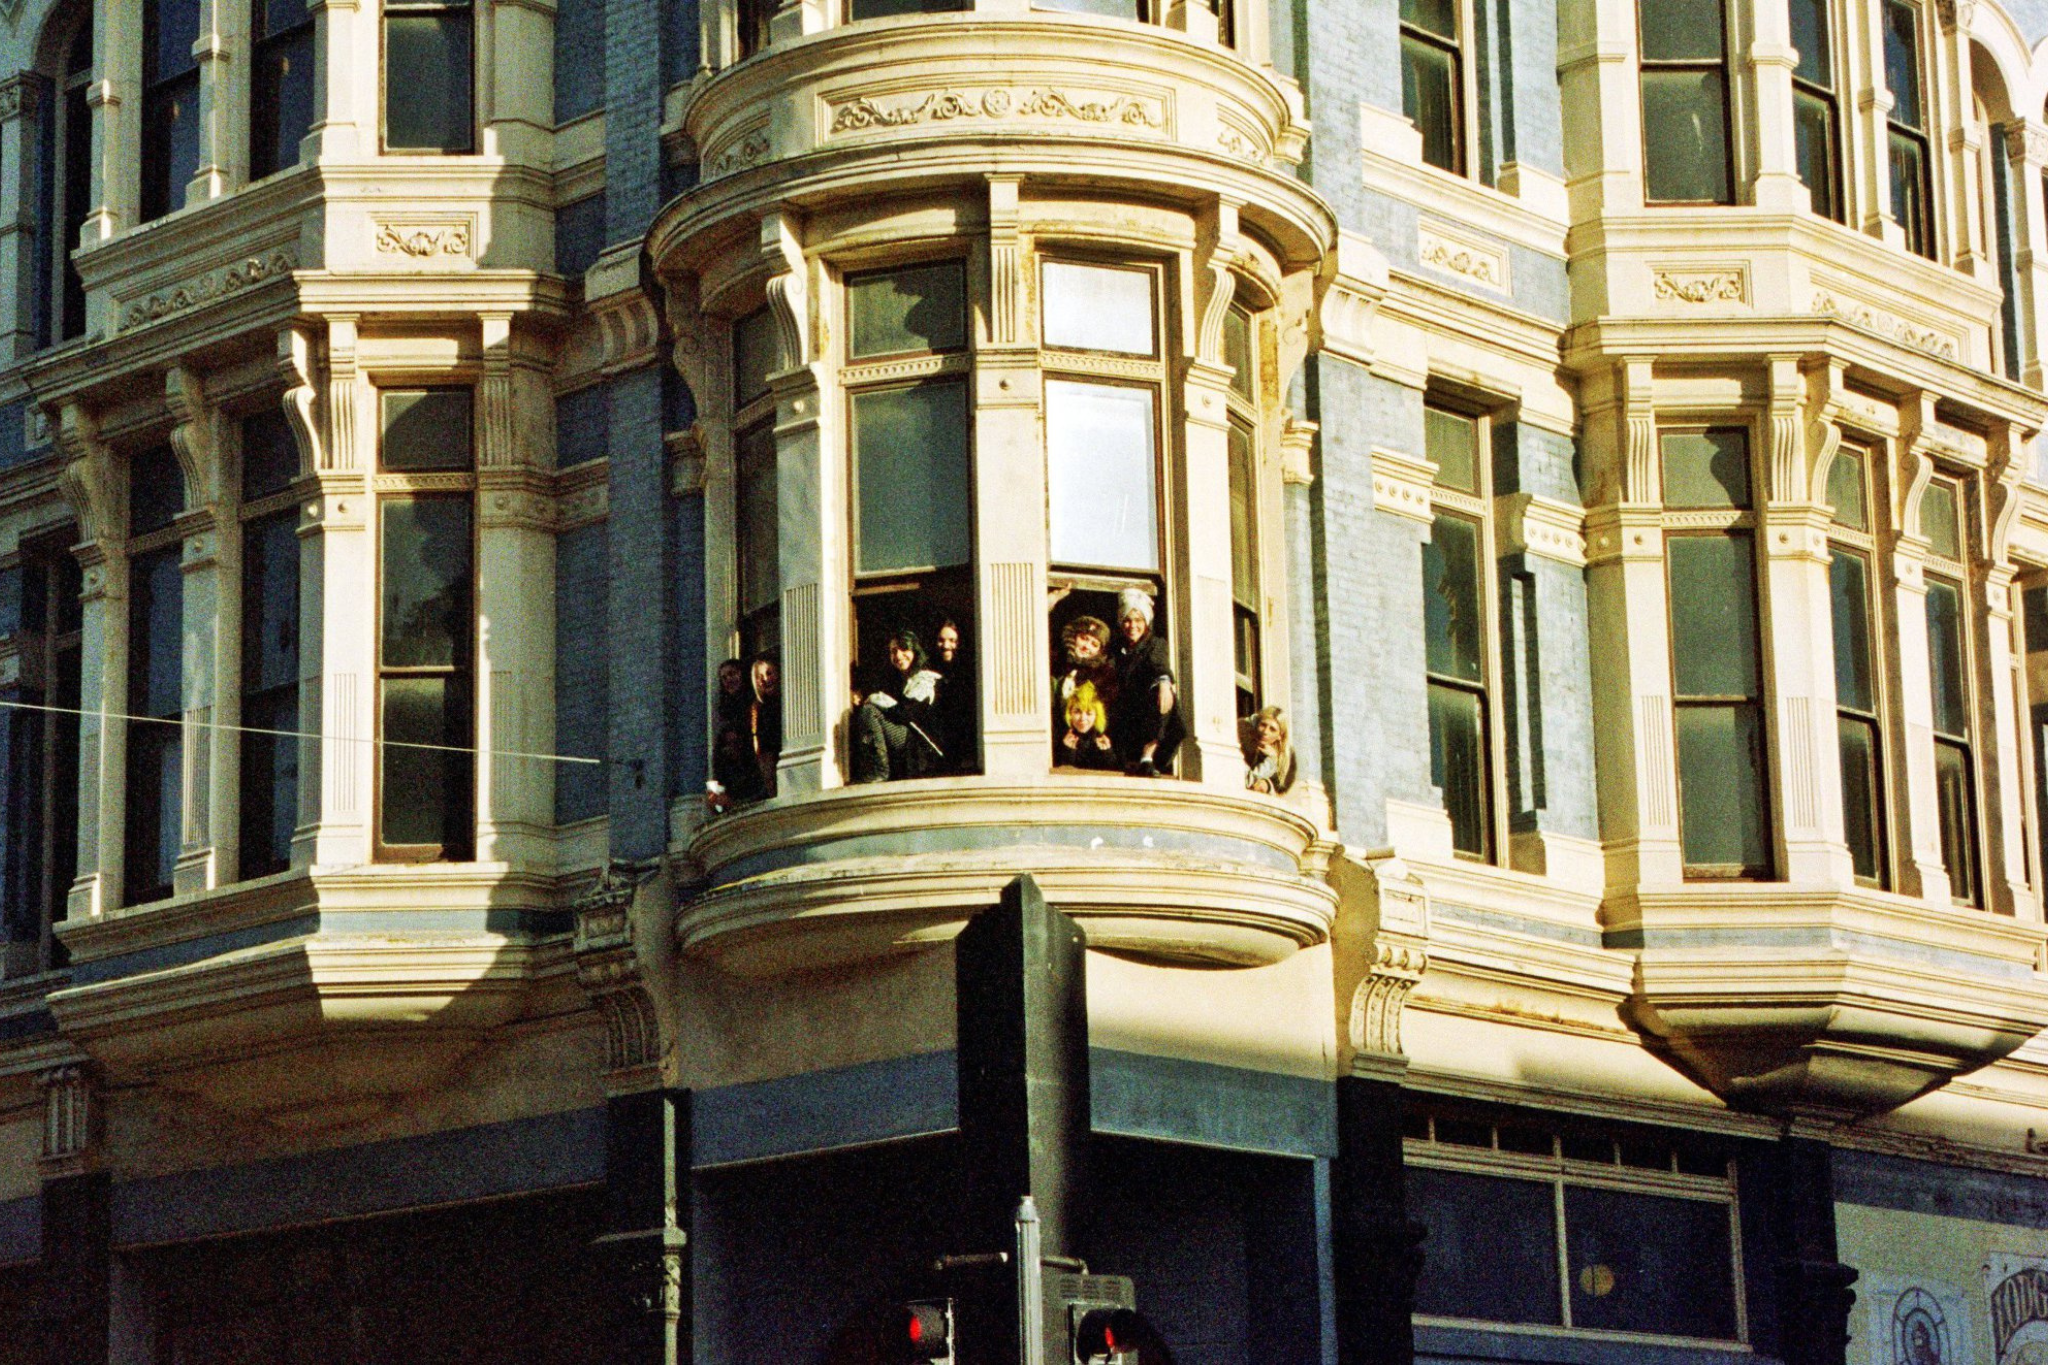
column 1086, row 662
column 764, row 718
column 1144, row 715
column 735, row 771
column 956, row 718
column 893, row 729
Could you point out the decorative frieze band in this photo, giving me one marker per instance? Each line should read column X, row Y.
column 431, row 240
column 1111, row 108
column 1829, row 303
column 220, row 283
column 1481, row 263
column 1700, row 285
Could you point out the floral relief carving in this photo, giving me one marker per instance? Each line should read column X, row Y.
column 206, row 288
column 944, row 106
column 1481, row 265
column 748, row 151
column 423, row 241
column 1827, row 303
column 1238, row 145
column 1700, row 286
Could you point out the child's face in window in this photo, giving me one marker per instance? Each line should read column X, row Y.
column 1081, row 719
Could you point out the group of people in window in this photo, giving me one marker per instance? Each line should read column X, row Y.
column 1116, row 706
column 913, row 716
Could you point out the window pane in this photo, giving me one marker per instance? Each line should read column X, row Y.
column 1451, row 598
column 1955, row 805
column 1114, row 9
column 1453, row 442
column 1938, row 520
column 427, row 429
column 156, row 490
column 1845, row 490
column 1713, row 615
column 882, row 9
column 281, row 102
column 1705, row 468
column 427, row 617
column 1947, row 661
column 1429, row 97
column 1849, row 583
column 1438, row 16
column 156, row 617
column 1862, row 796
column 275, row 16
column 922, row 309
column 170, row 144
column 755, row 356
column 1681, row 30
column 1491, row 1252
column 1237, row 353
column 270, row 781
column 426, row 792
column 1902, row 61
column 1457, row 764
column 270, row 454
column 1723, row 827
column 1244, row 564
column 1646, row 1263
column 427, row 80
column 270, row 603
column 1097, row 308
column 1100, row 472
column 169, row 30
column 1813, row 131
column 755, row 508
column 1685, row 137
column 1908, row 161
column 910, row 461
column 155, row 783
column 1810, row 36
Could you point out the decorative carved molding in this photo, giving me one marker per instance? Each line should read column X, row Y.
column 1222, row 282
column 746, row 152
column 1827, row 303
column 1439, row 248
column 1237, row 144
column 497, row 420
column 1297, row 451
column 2029, row 142
column 19, row 94
column 788, row 297
column 1006, row 261
column 1641, row 483
column 861, row 113
column 1401, row 485
column 210, row 287
column 194, row 434
column 1700, row 285
column 1398, row 964
column 71, row 1121
column 1544, row 527
column 424, row 241
column 295, row 366
column 608, row 968
column 85, row 480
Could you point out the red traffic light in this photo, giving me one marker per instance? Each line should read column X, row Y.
column 1100, row 1333
column 925, row 1331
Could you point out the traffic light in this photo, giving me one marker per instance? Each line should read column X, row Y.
column 1104, row 1333
column 924, row 1331
column 1090, row 1319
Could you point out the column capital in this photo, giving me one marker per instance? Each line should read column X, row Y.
column 19, row 95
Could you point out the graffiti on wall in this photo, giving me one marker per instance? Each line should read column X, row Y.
column 2016, row 1290
column 1912, row 1320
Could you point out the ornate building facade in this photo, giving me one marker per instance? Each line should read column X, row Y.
column 554, row 553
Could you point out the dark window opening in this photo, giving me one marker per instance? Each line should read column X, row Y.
column 281, row 95
column 1907, row 156
column 429, row 76
column 1815, row 120
column 170, row 104
column 1432, row 80
column 1685, row 102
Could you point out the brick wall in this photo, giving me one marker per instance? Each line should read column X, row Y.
column 582, row 675
column 579, row 58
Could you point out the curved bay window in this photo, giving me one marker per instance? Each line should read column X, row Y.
column 1716, row 654
column 753, row 360
column 1240, row 353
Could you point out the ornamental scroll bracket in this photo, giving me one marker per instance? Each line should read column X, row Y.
column 1916, row 421
column 1224, row 249
column 297, row 368
column 788, row 298
column 195, row 433
column 609, row 968
column 1399, row 957
column 1825, row 384
column 87, row 481
column 1641, row 482
column 1788, row 451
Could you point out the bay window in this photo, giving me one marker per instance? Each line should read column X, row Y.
column 1816, row 120
column 1949, row 671
column 1859, row 706
column 1716, row 655
column 281, row 83
column 427, row 625
column 1455, row 584
column 1684, row 59
column 429, row 76
column 170, row 104
column 1906, row 141
column 156, row 621
column 269, row 789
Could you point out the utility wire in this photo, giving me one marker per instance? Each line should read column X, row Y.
column 299, row 734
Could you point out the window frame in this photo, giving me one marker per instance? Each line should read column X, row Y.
column 1475, row 506
column 391, row 486
column 1465, row 112
column 152, row 544
column 71, row 146
column 389, row 8
column 1864, row 544
column 1679, row 523
column 52, row 643
column 1724, row 65
column 155, row 93
column 1828, row 95
column 1923, row 240
column 272, row 506
column 1954, row 575
column 264, row 120
column 1424, row 1149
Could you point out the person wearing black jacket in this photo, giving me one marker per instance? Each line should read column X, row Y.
column 1144, row 717
column 894, row 730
